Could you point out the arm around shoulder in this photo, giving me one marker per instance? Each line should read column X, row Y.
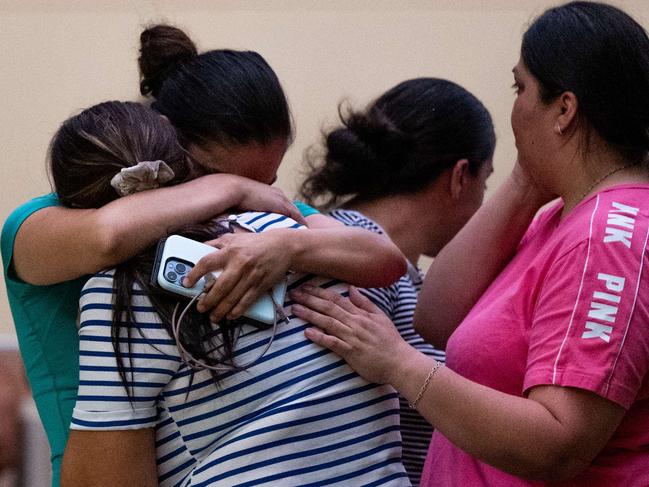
column 56, row 244
column 355, row 255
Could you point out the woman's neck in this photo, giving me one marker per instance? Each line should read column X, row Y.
column 409, row 224
column 601, row 169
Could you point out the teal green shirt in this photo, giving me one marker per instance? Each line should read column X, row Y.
column 305, row 209
column 45, row 319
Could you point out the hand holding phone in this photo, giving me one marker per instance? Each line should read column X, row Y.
column 177, row 255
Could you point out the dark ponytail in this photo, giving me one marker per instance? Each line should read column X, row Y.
column 400, row 144
column 221, row 96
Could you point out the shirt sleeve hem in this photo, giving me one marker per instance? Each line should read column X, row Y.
column 615, row 392
column 11, row 227
column 114, row 420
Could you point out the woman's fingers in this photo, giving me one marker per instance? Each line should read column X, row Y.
column 251, row 295
column 223, row 302
column 363, row 302
column 294, row 213
column 221, row 241
column 225, row 283
column 326, row 300
column 211, row 262
column 333, row 343
column 330, row 325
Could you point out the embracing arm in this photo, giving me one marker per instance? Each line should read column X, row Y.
column 86, row 241
column 252, row 263
column 353, row 255
column 466, row 266
column 109, row 458
column 553, row 434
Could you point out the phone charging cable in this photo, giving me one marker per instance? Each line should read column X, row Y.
column 197, row 364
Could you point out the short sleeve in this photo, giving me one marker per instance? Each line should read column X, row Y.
column 305, row 210
column 12, row 225
column 150, row 358
column 589, row 328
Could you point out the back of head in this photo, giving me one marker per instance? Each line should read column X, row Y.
column 90, row 148
column 401, row 143
column 601, row 54
column 220, row 96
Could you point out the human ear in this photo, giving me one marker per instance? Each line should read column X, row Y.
column 459, row 175
column 568, row 106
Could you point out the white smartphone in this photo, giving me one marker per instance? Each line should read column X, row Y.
column 177, row 255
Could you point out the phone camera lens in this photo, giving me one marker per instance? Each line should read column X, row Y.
column 171, row 276
column 181, row 268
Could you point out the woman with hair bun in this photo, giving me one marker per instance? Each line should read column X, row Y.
column 233, row 118
column 544, row 321
column 412, row 166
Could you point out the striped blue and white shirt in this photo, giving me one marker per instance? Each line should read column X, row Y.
column 398, row 301
column 298, row 416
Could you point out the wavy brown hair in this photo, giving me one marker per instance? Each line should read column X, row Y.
column 86, row 152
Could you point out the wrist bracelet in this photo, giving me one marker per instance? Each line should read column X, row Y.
column 424, row 386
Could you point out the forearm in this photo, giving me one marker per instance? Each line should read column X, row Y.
column 466, row 266
column 552, row 434
column 110, row 458
column 517, row 435
column 139, row 220
column 353, row 255
column 86, row 241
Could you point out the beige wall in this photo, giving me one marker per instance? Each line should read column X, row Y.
column 57, row 56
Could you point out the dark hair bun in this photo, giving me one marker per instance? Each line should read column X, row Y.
column 400, row 144
column 362, row 156
column 162, row 48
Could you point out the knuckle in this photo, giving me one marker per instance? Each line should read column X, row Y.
column 331, row 323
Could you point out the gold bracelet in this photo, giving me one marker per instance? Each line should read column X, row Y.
column 429, row 377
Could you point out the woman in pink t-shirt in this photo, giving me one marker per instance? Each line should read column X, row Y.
column 548, row 370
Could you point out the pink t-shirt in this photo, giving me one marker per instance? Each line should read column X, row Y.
column 570, row 309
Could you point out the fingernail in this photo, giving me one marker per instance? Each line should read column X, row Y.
column 186, row 282
column 232, row 316
column 307, row 287
column 296, row 308
column 200, row 308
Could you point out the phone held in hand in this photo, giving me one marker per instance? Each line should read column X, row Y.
column 177, row 255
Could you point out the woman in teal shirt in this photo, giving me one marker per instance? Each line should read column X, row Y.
column 47, row 250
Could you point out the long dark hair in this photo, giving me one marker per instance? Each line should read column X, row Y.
column 86, row 152
column 221, row 96
column 601, row 54
column 401, row 143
